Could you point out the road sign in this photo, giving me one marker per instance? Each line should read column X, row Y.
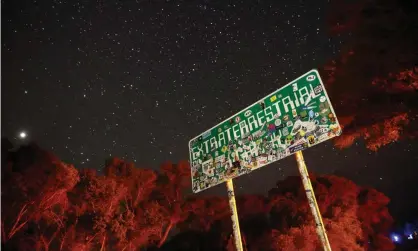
column 295, row 117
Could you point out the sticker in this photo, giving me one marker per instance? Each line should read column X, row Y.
column 262, row 160
column 310, row 78
column 237, row 119
column 297, row 148
column 331, row 118
column 277, row 122
column 322, row 137
column 311, row 114
column 285, row 131
column 289, row 140
column 311, row 139
column 247, row 113
column 272, row 158
column 322, row 99
column 281, row 154
column 321, row 131
column 318, row 89
column 273, row 98
column 280, row 126
column 245, row 135
column 294, row 113
column 206, row 135
column 289, row 123
column 334, row 128
column 208, row 168
column 224, row 149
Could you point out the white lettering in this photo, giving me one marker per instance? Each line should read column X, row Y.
column 213, row 143
column 244, row 128
column 287, row 101
column 269, row 114
column 222, row 140
column 252, row 122
column 312, row 92
column 260, row 117
column 303, row 92
column 278, row 108
column 296, row 99
column 201, row 152
column 206, row 145
column 235, row 131
column 228, row 133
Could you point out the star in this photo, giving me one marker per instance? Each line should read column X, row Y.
column 22, row 135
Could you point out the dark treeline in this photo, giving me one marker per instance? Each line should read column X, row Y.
column 51, row 205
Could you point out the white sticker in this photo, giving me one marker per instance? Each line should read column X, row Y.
column 285, row 131
column 294, row 113
column 310, row 78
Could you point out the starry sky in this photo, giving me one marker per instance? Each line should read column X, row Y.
column 138, row 79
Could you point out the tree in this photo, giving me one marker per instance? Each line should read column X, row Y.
column 139, row 222
column 173, row 181
column 349, row 220
column 99, row 207
column 375, row 78
column 140, row 182
column 376, row 219
column 53, row 206
column 35, row 184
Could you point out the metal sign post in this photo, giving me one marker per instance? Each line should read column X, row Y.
column 319, row 224
column 234, row 215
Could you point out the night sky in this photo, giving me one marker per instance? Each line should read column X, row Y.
column 139, row 79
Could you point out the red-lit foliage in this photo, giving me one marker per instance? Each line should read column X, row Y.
column 48, row 205
column 34, row 195
column 373, row 85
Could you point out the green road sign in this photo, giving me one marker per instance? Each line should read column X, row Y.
column 297, row 116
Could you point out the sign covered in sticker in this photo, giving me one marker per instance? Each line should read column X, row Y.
column 295, row 117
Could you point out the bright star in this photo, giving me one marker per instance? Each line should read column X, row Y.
column 23, row 135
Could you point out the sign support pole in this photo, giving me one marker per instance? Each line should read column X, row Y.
column 320, row 228
column 234, row 215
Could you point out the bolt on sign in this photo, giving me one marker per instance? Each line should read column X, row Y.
column 295, row 117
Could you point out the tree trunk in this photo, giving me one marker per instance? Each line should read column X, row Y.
column 167, row 231
column 16, row 227
column 103, row 243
